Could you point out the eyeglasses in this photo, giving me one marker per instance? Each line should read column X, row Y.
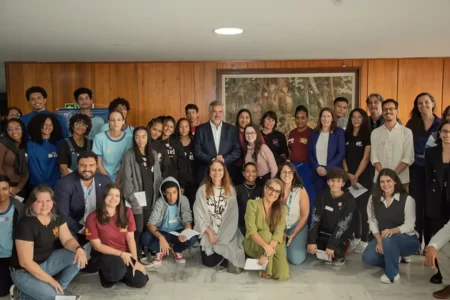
column 272, row 190
column 357, row 118
column 389, row 109
column 250, row 133
column 16, row 115
column 443, row 132
column 80, row 124
column 15, row 129
column 287, row 173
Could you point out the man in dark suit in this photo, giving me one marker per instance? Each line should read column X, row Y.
column 80, row 193
column 216, row 140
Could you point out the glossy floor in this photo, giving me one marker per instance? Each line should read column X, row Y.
column 311, row 281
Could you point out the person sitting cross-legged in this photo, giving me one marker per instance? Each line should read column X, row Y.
column 171, row 212
column 392, row 219
column 331, row 219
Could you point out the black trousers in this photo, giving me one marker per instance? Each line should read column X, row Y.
column 139, row 220
column 212, row 260
column 190, row 192
column 112, row 269
column 341, row 251
column 5, row 278
column 417, row 190
column 360, row 225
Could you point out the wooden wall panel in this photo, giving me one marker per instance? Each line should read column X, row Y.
column 382, row 78
column 159, row 91
column 15, row 86
column 101, row 85
column 124, row 83
column 187, row 86
column 416, row 76
column 363, row 80
column 256, row 65
column 446, row 84
column 231, row 65
column 330, row 63
column 205, row 86
column 40, row 75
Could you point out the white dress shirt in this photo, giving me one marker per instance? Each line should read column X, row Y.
column 390, row 148
column 441, row 238
column 410, row 215
column 217, row 132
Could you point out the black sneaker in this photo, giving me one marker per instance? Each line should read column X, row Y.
column 339, row 261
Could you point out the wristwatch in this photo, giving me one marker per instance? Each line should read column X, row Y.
column 266, row 255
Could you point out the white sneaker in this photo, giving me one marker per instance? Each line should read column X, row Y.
column 385, row 279
column 353, row 244
column 405, row 260
column 157, row 260
column 360, row 248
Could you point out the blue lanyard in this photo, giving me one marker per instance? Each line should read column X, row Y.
column 88, row 192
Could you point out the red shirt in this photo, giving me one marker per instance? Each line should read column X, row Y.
column 193, row 128
column 109, row 234
column 298, row 144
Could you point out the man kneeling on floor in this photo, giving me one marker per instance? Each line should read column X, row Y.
column 171, row 213
column 331, row 219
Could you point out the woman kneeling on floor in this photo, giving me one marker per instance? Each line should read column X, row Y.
column 216, row 218
column 110, row 229
column 392, row 217
column 35, row 260
column 265, row 220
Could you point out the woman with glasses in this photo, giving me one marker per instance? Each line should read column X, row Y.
column 11, row 113
column 264, row 240
column 434, row 136
column 296, row 200
column 13, row 161
column 68, row 150
column 359, row 171
column 259, row 153
column 437, row 174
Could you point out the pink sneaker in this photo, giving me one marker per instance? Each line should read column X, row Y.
column 179, row 257
column 157, row 260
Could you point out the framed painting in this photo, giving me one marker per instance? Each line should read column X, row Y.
column 282, row 90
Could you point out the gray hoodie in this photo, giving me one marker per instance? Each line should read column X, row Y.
column 160, row 209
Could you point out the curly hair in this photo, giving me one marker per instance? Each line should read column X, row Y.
column 116, row 102
column 81, row 91
column 37, row 123
column 80, row 118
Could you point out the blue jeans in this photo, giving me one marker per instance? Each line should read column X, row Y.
column 296, row 252
column 149, row 240
column 31, row 288
column 394, row 247
column 304, row 171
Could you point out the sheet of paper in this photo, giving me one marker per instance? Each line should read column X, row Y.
column 64, row 297
column 358, row 190
column 188, row 233
column 322, row 255
column 252, row 264
column 142, row 199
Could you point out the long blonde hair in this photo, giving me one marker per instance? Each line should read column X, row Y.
column 276, row 214
column 226, row 181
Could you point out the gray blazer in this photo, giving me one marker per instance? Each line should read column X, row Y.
column 131, row 180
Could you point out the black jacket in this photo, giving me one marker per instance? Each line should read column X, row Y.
column 332, row 216
column 277, row 143
column 434, row 176
column 175, row 153
column 164, row 160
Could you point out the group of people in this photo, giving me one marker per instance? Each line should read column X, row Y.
column 105, row 197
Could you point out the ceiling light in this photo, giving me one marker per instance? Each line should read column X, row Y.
column 229, row 31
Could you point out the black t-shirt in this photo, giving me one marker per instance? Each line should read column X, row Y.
column 64, row 154
column 354, row 153
column 276, row 141
column 43, row 237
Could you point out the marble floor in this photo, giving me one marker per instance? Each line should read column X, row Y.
column 311, row 281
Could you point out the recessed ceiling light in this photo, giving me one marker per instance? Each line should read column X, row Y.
column 229, row 31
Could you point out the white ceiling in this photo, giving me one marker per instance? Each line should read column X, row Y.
column 175, row 30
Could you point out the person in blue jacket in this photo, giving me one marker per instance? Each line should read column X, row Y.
column 326, row 149
column 42, row 149
column 37, row 96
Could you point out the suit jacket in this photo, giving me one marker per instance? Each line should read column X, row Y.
column 434, row 174
column 335, row 153
column 70, row 201
column 205, row 149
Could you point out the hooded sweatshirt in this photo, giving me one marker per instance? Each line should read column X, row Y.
column 161, row 208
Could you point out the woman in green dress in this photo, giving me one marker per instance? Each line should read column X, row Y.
column 266, row 220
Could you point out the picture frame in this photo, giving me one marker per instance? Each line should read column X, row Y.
column 282, row 90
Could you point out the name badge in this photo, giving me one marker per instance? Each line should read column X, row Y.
column 329, row 208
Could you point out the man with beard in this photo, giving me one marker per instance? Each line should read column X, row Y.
column 376, row 119
column 392, row 144
column 80, row 193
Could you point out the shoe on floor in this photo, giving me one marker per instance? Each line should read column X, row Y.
column 442, row 294
column 385, row 279
column 179, row 258
column 360, row 248
column 157, row 260
column 339, row 261
column 436, row 278
column 144, row 261
column 353, row 244
column 405, row 260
